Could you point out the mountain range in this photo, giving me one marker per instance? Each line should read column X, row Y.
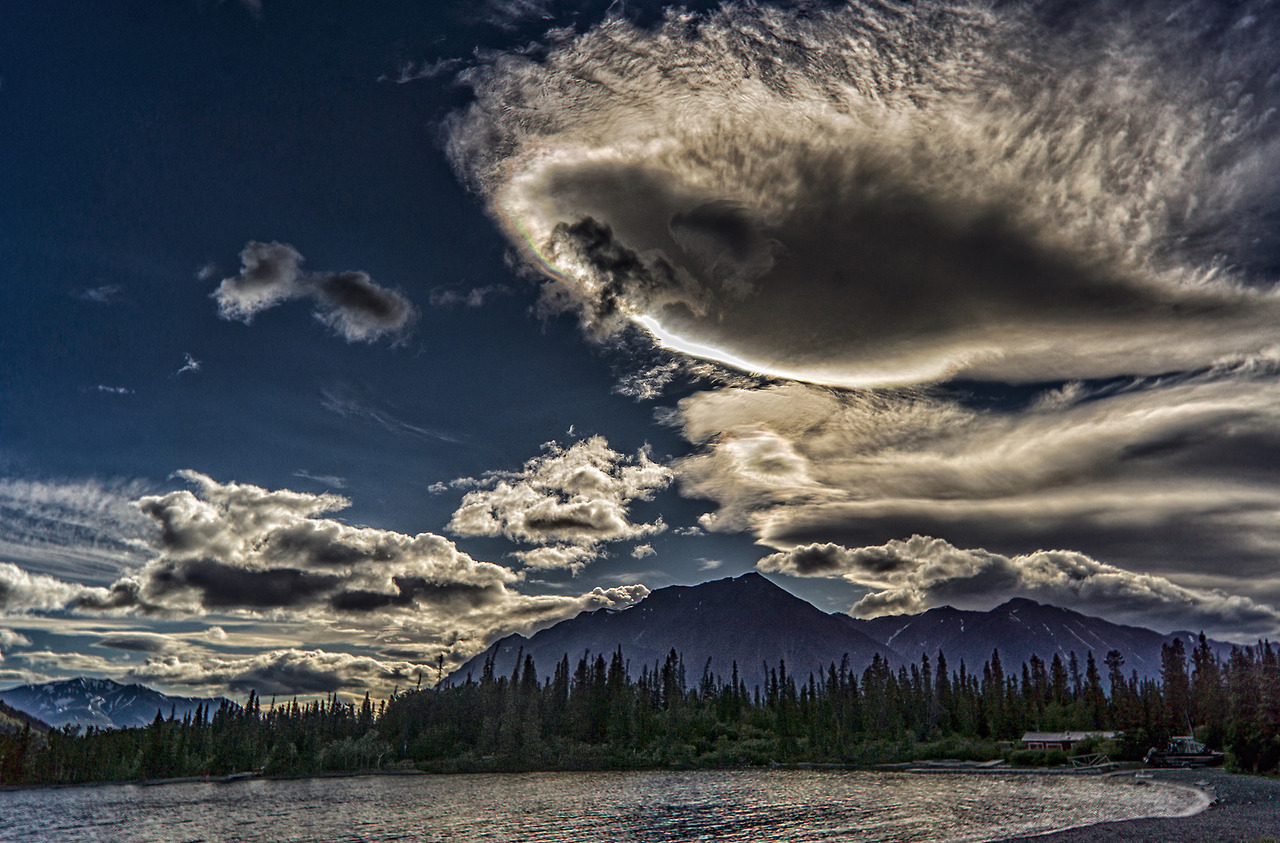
column 746, row 621
column 100, row 702
column 751, row 622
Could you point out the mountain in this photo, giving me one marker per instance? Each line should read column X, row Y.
column 1019, row 628
column 751, row 621
column 747, row 620
column 13, row 721
column 99, row 702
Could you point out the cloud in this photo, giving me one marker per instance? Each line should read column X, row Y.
column 281, row 673
column 472, row 298
column 568, row 501
column 412, row 71
column 189, row 364
column 921, row 572
column 237, row 551
column 10, row 639
column 349, row 303
column 1168, row 475
column 241, row 546
column 358, row 310
column 22, row 591
column 270, row 273
column 331, row 480
column 105, row 294
column 82, row 529
column 643, row 551
column 345, row 402
column 507, row 13
column 138, row 642
column 115, row 390
column 867, row 195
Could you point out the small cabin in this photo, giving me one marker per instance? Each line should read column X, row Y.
column 1061, row 740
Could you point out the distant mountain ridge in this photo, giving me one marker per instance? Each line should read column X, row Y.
column 749, row 621
column 1019, row 628
column 100, row 702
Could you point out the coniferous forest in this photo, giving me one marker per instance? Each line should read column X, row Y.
column 591, row 714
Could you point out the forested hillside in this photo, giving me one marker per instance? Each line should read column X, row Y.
column 591, row 715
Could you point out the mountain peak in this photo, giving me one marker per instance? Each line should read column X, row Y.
column 1016, row 603
column 745, row 620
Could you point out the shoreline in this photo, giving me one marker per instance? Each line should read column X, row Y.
column 1239, row 808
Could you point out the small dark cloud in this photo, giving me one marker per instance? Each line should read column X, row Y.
column 226, row 586
column 359, row 310
column 135, row 642
column 410, row 590
column 349, row 303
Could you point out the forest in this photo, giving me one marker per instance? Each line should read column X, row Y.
column 591, row 715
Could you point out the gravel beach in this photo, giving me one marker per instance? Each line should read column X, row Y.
column 1246, row 810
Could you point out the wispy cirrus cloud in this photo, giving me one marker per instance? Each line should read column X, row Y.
column 349, row 403
column 84, row 530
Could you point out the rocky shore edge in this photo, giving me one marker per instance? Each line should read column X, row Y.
column 1242, row 809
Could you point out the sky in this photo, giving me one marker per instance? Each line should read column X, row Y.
column 339, row 339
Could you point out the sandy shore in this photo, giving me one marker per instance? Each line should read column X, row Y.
column 1246, row 809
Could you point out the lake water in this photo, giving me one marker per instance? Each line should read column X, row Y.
column 752, row 805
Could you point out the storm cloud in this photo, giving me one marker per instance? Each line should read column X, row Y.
column 349, row 303
column 865, row 195
column 920, row 573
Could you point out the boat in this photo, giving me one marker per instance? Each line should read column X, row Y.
column 1183, row 751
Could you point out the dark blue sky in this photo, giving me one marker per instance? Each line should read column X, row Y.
column 905, row 306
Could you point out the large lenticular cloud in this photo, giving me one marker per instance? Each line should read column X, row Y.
column 869, row 194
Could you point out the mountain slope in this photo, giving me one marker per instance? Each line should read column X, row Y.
column 747, row 620
column 13, row 721
column 1019, row 628
column 99, row 702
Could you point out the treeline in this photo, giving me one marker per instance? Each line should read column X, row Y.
column 591, row 714
column 287, row 739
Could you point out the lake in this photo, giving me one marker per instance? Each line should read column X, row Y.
column 739, row 805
